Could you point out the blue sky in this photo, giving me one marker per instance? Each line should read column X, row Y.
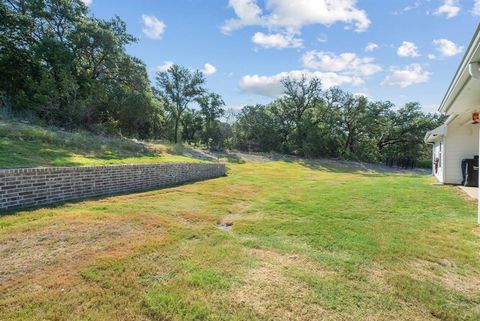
column 247, row 46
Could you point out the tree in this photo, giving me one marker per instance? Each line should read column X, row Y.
column 178, row 87
column 72, row 70
column 192, row 123
column 299, row 109
column 406, row 129
column 211, row 109
column 38, row 65
column 256, row 129
column 333, row 123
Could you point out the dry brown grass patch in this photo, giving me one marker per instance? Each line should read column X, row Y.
column 68, row 243
column 270, row 292
column 447, row 273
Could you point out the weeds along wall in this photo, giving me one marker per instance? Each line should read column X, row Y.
column 27, row 187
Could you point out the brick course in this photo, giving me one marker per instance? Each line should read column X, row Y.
column 26, row 187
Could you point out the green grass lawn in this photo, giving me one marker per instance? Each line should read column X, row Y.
column 308, row 242
column 24, row 145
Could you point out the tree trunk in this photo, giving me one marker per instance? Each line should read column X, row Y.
column 176, row 129
column 349, row 143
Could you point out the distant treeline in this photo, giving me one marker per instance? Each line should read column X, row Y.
column 71, row 70
column 310, row 121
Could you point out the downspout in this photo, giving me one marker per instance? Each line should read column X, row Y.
column 433, row 160
column 443, row 159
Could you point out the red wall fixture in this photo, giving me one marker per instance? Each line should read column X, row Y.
column 475, row 118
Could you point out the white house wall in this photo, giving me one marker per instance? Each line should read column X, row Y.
column 438, row 153
column 461, row 142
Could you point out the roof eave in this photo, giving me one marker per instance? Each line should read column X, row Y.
column 432, row 139
column 437, row 133
column 456, row 86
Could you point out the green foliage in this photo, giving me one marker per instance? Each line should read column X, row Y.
column 424, row 163
column 211, row 108
column 72, row 70
column 192, row 124
column 179, row 87
column 256, row 129
column 309, row 121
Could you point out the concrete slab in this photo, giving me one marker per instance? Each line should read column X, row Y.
column 472, row 192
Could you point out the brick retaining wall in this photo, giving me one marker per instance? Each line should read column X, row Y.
column 26, row 187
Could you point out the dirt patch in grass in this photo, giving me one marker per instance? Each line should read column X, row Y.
column 269, row 292
column 66, row 243
column 226, row 226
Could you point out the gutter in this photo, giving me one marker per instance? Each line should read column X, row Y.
column 471, row 50
column 450, row 119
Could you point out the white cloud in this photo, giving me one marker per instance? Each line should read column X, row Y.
column 277, row 40
column 476, row 8
column 164, row 66
column 450, row 8
column 348, row 63
column 411, row 7
column 406, row 76
column 209, row 69
column 292, row 16
column 322, row 38
column 271, row 86
column 152, row 27
column 362, row 94
column 371, row 47
column 432, row 57
column 87, row 2
column 247, row 12
column 235, row 107
column 447, row 48
column 408, row 49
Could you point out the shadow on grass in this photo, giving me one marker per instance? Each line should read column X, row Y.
column 331, row 165
column 15, row 154
column 196, row 154
column 231, row 157
column 19, row 152
column 351, row 167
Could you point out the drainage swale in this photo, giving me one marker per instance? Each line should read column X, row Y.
column 227, row 226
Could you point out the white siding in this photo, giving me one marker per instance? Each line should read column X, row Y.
column 461, row 142
column 438, row 152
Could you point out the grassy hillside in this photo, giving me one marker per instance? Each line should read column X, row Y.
column 23, row 145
